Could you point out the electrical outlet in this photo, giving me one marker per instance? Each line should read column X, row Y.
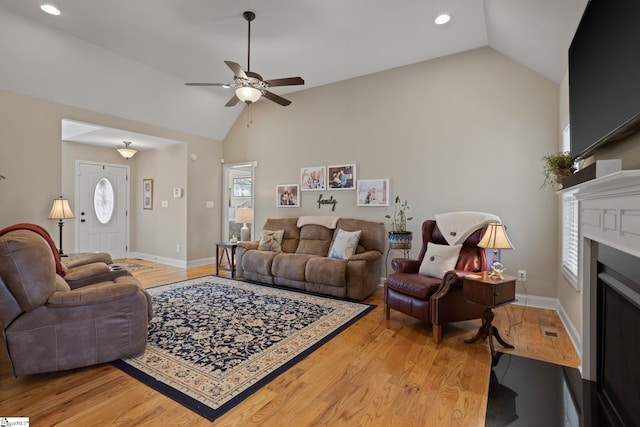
column 522, row 275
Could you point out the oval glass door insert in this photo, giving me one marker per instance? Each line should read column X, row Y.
column 103, row 200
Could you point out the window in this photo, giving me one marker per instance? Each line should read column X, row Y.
column 241, row 187
column 569, row 226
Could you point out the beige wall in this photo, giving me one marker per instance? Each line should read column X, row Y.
column 39, row 167
column 463, row 132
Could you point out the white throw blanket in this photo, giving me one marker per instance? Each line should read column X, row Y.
column 457, row 226
column 326, row 221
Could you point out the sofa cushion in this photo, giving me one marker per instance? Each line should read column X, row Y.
column 345, row 244
column 290, row 266
column 271, row 240
column 259, row 262
column 314, row 240
column 328, row 271
column 439, row 259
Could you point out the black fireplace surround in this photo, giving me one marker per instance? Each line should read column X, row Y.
column 618, row 335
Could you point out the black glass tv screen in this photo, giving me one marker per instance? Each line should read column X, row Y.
column 604, row 75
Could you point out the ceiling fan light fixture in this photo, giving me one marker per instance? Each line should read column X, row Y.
column 248, row 94
column 127, row 152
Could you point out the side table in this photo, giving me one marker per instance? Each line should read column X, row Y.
column 404, row 247
column 226, row 250
column 491, row 293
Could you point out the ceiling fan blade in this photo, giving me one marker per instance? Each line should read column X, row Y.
column 233, row 101
column 227, row 85
column 237, row 69
column 275, row 98
column 285, row 82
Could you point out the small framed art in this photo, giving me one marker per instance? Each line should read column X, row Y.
column 313, row 178
column 373, row 192
column 287, row 196
column 147, row 193
column 342, row 177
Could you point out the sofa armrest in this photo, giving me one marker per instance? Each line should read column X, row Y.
column 366, row 256
column 88, row 274
column 405, row 265
column 248, row 245
column 92, row 294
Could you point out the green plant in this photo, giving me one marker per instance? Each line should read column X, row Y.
column 399, row 220
column 556, row 166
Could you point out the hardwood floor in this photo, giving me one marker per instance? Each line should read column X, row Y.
column 375, row 373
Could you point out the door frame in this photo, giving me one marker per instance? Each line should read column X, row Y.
column 226, row 167
column 128, row 207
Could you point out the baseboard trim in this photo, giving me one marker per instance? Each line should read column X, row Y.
column 162, row 260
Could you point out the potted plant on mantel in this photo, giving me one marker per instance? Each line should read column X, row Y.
column 556, row 167
column 399, row 237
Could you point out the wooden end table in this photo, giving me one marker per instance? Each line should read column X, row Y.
column 484, row 290
column 226, row 250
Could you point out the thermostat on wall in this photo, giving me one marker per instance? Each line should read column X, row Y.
column 177, row 193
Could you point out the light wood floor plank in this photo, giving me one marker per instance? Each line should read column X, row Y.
column 376, row 372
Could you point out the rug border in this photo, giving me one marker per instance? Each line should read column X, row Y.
column 212, row 414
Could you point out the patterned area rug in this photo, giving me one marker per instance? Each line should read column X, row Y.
column 214, row 341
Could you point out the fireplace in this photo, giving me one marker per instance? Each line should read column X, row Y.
column 609, row 276
column 618, row 336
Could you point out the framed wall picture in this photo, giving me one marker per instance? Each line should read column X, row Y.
column 373, row 192
column 342, row 177
column 313, row 178
column 147, row 193
column 287, row 196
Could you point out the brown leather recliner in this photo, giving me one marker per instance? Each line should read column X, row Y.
column 50, row 327
column 430, row 299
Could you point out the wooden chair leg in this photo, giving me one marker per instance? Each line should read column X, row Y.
column 387, row 311
column 437, row 334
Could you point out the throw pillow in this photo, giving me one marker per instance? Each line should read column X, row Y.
column 271, row 240
column 345, row 244
column 439, row 259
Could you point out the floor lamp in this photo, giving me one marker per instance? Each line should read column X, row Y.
column 61, row 211
column 244, row 215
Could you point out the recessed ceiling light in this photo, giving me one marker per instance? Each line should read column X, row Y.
column 443, row 19
column 50, row 9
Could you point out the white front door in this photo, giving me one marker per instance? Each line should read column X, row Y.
column 102, row 209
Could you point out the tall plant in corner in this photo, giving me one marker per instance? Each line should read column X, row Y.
column 399, row 237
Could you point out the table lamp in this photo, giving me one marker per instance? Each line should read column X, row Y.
column 495, row 237
column 60, row 211
column 244, row 215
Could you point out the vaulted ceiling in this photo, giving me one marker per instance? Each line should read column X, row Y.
column 323, row 41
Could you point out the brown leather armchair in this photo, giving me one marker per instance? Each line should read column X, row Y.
column 430, row 299
column 48, row 326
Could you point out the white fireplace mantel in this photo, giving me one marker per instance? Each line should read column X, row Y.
column 609, row 213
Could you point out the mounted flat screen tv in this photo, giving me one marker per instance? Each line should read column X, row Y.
column 604, row 75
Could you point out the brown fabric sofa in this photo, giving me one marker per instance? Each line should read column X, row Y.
column 89, row 267
column 50, row 327
column 304, row 264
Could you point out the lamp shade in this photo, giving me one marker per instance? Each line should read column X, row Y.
column 244, row 215
column 495, row 237
column 248, row 94
column 60, row 209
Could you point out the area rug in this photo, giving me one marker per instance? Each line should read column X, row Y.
column 214, row 341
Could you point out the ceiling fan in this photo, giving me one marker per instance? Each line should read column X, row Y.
column 250, row 86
